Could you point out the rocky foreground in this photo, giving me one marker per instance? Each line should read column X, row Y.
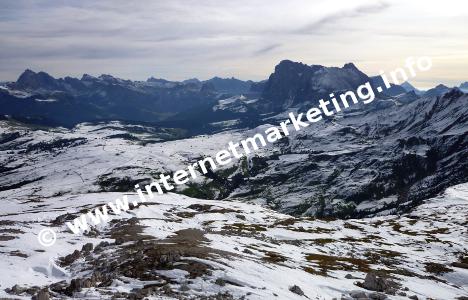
column 183, row 248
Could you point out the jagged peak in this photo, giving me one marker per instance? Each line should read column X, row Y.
column 440, row 86
column 31, row 80
column 160, row 80
column 287, row 61
column 191, row 80
column 28, row 71
column 87, row 77
column 232, row 78
column 350, row 65
column 106, row 76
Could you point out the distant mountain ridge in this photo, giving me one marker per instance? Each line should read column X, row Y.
column 437, row 90
column 39, row 97
column 230, row 85
column 99, row 98
column 409, row 87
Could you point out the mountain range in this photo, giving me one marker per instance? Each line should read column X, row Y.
column 369, row 203
column 40, row 98
column 403, row 130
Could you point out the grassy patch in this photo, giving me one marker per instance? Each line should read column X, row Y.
column 274, row 257
column 239, row 227
column 436, row 268
column 323, row 241
column 325, row 263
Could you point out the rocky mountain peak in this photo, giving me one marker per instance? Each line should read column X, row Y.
column 294, row 83
column 87, row 77
column 409, row 87
column 30, row 80
column 438, row 90
column 107, row 77
column 350, row 66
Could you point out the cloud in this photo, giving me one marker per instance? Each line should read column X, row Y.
column 336, row 17
column 267, row 49
column 178, row 39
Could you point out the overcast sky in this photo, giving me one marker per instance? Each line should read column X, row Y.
column 180, row 39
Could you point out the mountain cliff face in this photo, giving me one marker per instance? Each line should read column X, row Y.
column 374, row 160
column 294, row 83
column 30, row 80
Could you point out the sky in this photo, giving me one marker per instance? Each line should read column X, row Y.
column 181, row 39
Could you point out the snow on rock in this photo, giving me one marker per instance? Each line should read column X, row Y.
column 186, row 247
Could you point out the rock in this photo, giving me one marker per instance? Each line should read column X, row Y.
column 241, row 217
column 59, row 287
column 375, row 282
column 349, row 276
column 16, row 290
column 42, row 295
column 76, row 285
column 87, row 283
column 296, row 290
column 220, row 282
column 358, row 295
column 101, row 246
column 166, row 289
column 413, row 297
column 403, row 294
column 144, row 292
column 96, row 277
column 87, row 247
column 377, row 296
column 71, row 258
column 33, row 290
column 247, row 251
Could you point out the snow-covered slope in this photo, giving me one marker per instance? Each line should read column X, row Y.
column 388, row 162
column 180, row 247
